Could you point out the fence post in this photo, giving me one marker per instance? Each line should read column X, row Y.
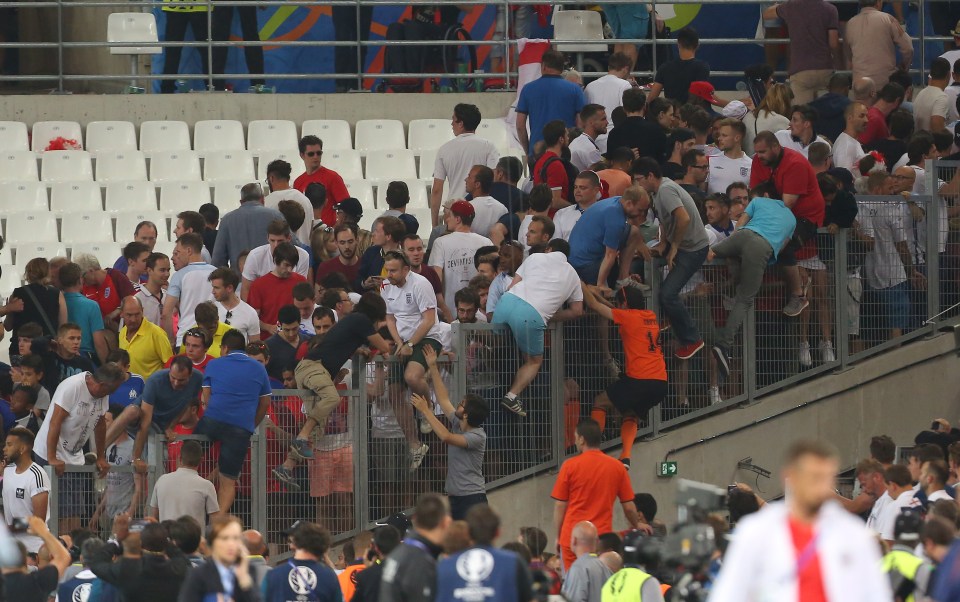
column 840, row 294
column 361, row 456
column 558, row 371
column 53, row 506
column 932, row 250
column 258, row 481
column 749, row 372
column 210, row 44
column 60, row 46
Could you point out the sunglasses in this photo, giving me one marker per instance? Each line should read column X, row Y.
column 313, row 153
column 227, row 318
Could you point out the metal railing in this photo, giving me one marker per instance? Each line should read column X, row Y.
column 656, row 46
column 360, row 472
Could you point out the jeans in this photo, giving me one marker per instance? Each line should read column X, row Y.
column 747, row 255
column 459, row 504
column 685, row 265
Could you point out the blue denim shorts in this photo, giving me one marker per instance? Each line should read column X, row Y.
column 893, row 306
column 234, row 444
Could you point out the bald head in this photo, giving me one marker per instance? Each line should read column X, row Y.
column 904, row 178
column 864, row 90
column 254, row 542
column 584, row 538
column 612, row 560
column 131, row 311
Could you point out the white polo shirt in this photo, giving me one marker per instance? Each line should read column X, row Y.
column 457, row 157
column 191, row 287
column 585, row 151
column 564, row 221
column 408, row 302
column 724, row 171
column 260, row 262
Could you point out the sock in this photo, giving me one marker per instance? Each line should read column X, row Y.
column 511, row 396
column 628, row 432
column 600, row 415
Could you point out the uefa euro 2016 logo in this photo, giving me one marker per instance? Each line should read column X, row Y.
column 474, row 566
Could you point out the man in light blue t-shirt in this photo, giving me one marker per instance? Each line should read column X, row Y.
column 762, row 231
column 83, row 312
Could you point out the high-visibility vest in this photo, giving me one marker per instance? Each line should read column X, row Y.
column 624, row 586
column 901, row 566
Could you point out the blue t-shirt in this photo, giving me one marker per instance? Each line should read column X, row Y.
column 236, row 384
column 85, row 313
column 305, row 580
column 772, row 220
column 483, row 574
column 128, row 392
column 603, row 225
column 9, row 418
column 546, row 99
column 86, row 586
column 167, row 402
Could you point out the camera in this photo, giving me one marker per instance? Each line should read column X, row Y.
column 137, row 526
column 19, row 525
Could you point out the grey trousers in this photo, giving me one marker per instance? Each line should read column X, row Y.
column 747, row 254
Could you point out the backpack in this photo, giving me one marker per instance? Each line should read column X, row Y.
column 572, row 173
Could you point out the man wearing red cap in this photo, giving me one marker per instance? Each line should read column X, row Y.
column 674, row 77
column 452, row 253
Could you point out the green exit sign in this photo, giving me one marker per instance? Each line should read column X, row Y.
column 667, row 469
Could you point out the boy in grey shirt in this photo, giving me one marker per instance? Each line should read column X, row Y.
column 466, row 440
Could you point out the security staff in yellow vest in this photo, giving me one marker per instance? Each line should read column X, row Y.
column 180, row 14
column 631, row 583
column 909, row 574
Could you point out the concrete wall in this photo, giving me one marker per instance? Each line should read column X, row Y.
column 898, row 393
column 246, row 107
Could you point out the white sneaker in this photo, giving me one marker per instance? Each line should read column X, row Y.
column 417, row 456
column 425, row 427
column 715, row 396
column 805, row 360
column 826, row 352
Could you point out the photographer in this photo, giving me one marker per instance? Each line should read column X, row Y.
column 22, row 585
column 150, row 568
column 385, row 539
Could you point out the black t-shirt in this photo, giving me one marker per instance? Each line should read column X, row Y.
column 639, row 133
column 55, row 368
column 675, row 76
column 510, row 196
column 31, row 587
column 674, row 171
column 342, row 341
column 282, row 354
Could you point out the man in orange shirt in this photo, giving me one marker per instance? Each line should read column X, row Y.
column 586, row 488
column 348, row 578
column 644, row 382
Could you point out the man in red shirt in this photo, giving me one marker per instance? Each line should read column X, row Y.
column 105, row 286
column 272, row 291
column 586, row 488
column 348, row 261
column 550, row 169
column 311, row 150
column 196, row 342
column 888, row 100
column 788, row 176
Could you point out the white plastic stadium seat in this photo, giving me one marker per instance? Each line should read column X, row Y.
column 228, row 165
column 226, row 194
column 66, row 166
column 6, row 257
column 45, row 249
column 23, row 196
column 157, row 136
column 423, row 218
column 583, row 25
column 495, row 130
column 165, row 247
column 218, row 135
column 175, row 166
column 270, row 135
column 105, row 252
column 417, row 189
column 429, row 134
column 363, row 192
column 428, row 160
column 133, row 28
column 70, row 197
column 128, row 220
column 45, row 131
column 383, row 165
column 345, row 162
column 183, row 196
column 290, row 156
column 379, row 134
column 18, row 166
column 111, row 135
column 366, row 220
column 121, row 166
column 335, row 133
column 131, row 196
column 514, row 151
column 37, row 226
column 86, row 226
column 9, row 279
column 13, row 136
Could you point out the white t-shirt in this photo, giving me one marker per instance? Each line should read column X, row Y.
column 408, row 302
column 488, row 211
column 564, row 221
column 873, row 521
column 260, row 262
column 952, row 91
column 548, row 282
column 607, row 91
column 18, row 493
column 786, row 141
column 191, row 287
column 522, row 232
column 242, row 317
column 929, row 102
column 847, row 152
column 585, row 151
column 891, row 511
column 952, row 56
column 453, row 253
column 920, row 228
column 84, row 410
column 724, row 171
column 887, row 224
column 457, row 157
column 120, row 485
column 306, row 324
column 273, row 199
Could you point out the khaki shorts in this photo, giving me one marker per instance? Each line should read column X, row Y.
column 325, row 399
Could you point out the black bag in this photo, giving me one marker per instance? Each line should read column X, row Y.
column 572, row 173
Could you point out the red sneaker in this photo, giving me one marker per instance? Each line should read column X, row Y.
column 685, row 352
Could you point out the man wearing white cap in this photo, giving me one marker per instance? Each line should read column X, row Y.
column 733, row 165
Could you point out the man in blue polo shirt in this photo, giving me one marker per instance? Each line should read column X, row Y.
column 236, row 394
column 546, row 99
column 603, row 231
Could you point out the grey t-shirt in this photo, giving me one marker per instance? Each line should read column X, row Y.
column 665, row 201
column 184, row 492
column 465, row 465
column 585, row 579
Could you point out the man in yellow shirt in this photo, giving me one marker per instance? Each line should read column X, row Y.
column 208, row 320
column 148, row 344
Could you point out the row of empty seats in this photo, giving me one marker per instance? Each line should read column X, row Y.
column 227, row 135
column 14, row 259
column 79, row 227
